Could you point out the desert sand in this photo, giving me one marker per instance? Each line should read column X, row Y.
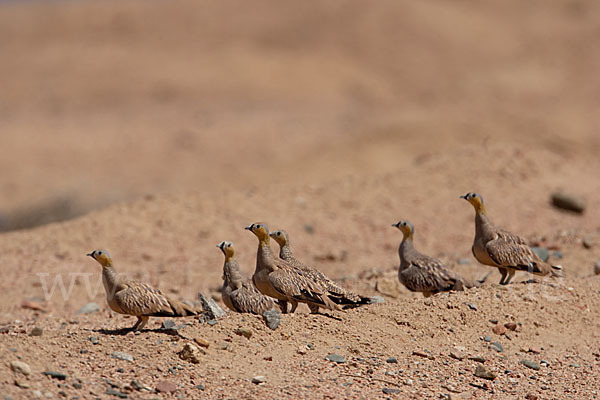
column 156, row 130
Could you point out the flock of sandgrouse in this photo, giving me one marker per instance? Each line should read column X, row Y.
column 286, row 279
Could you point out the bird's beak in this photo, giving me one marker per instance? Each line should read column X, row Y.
column 90, row 255
column 219, row 246
column 248, row 228
column 396, row 224
column 464, row 196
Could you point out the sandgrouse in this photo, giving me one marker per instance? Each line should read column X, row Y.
column 239, row 293
column 499, row 248
column 336, row 293
column 278, row 279
column 422, row 273
column 136, row 298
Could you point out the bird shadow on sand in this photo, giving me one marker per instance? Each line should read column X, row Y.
column 125, row 331
column 328, row 316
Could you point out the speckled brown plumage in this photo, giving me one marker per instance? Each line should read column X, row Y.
column 276, row 278
column 422, row 273
column 239, row 293
column 336, row 293
column 136, row 298
column 502, row 249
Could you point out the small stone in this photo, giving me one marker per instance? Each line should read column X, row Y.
column 140, row 386
column 531, row 396
column 56, row 375
column 541, row 252
column 482, row 372
column 272, row 318
column 568, row 202
column 166, row 387
column 499, row 329
column 530, row 364
column 392, row 360
column 113, row 392
column 32, row 305
column 457, row 355
column 511, row 325
column 478, row 359
column 168, row 324
column 597, row 268
column 200, row 387
column 496, row 346
column 386, row 390
column 77, row 385
column 245, row 332
column 336, row 358
column 191, row 353
column 309, row 228
column 22, row 385
column 93, row 339
column 202, row 342
column 487, row 339
column 20, row 366
column 210, row 307
column 388, row 287
column 574, row 365
column 122, row 356
column 37, row 394
column 88, row 309
column 464, row 261
column 376, row 300
column 545, row 363
column 472, row 306
column 259, row 379
column 588, row 242
column 408, row 382
column 557, row 254
column 36, row 331
column 420, row 354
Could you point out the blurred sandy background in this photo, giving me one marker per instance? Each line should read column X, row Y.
column 106, row 101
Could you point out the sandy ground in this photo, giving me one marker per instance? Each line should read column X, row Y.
column 169, row 126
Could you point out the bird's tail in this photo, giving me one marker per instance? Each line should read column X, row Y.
column 556, row 271
column 354, row 302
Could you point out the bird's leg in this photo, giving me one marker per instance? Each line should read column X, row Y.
column 137, row 324
column 504, row 272
column 141, row 323
column 427, row 294
column 314, row 309
column 283, row 306
column 294, row 306
column 511, row 273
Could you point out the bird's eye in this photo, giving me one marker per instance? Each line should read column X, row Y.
column 404, row 224
column 278, row 233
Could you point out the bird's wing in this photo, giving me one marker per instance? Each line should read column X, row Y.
column 427, row 274
column 138, row 298
column 511, row 251
column 249, row 300
column 296, row 283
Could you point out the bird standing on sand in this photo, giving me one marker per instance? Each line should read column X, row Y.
column 422, row 273
column 336, row 293
column 239, row 293
column 278, row 279
column 136, row 298
column 504, row 250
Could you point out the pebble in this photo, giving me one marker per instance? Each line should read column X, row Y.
column 191, row 353
column 544, row 362
column 376, row 300
column 245, row 332
column 202, row 342
column 392, row 360
column 36, row 331
column 88, row 309
column 457, row 355
column 140, row 386
column 487, row 339
column 483, row 372
column 478, row 359
column 32, row 305
column 168, row 324
column 336, row 358
column 569, row 202
column 20, row 366
column 588, row 242
column 116, row 393
column 388, row 287
column 499, row 329
column 472, row 306
column 408, row 382
column 211, row 308
column 94, row 339
column 497, row 346
column 166, row 387
column 541, row 252
column 122, row 356
column 386, row 390
column 597, row 268
column 56, row 375
column 259, row 379
column 272, row 318
column 22, row 385
column 511, row 325
column 530, row 364
column 200, row 387
column 531, row 396
column 464, row 261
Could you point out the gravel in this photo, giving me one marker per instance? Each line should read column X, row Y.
column 122, row 356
